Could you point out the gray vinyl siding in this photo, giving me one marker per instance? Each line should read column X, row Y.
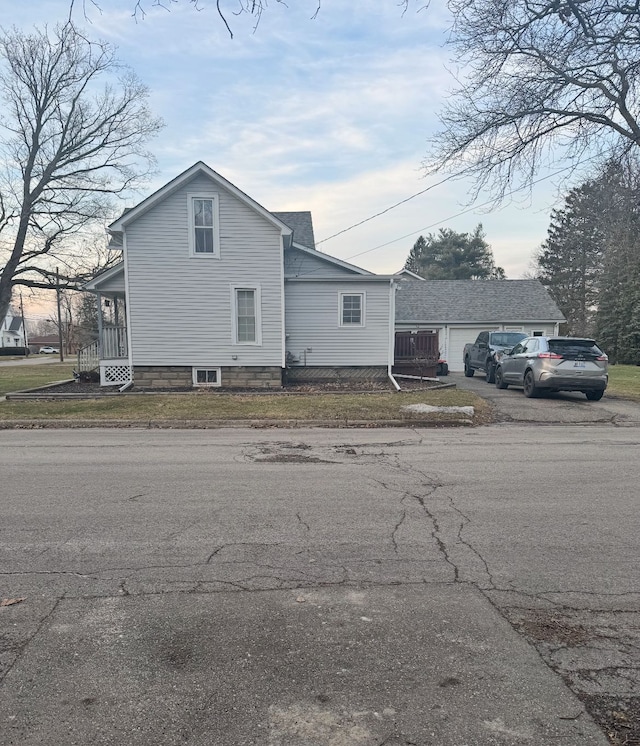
column 114, row 284
column 180, row 310
column 313, row 321
column 300, row 264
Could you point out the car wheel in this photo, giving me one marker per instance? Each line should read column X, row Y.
column 594, row 395
column 530, row 388
column 467, row 370
column 500, row 382
column 490, row 372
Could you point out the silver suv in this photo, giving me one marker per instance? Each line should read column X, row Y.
column 554, row 364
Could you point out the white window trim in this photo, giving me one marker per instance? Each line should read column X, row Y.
column 194, row 376
column 257, row 289
column 363, row 306
column 191, row 196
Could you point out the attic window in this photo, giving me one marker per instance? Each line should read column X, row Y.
column 203, row 225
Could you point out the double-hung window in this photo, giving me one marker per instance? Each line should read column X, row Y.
column 351, row 309
column 246, row 315
column 203, row 225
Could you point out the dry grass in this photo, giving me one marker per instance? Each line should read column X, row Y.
column 21, row 377
column 624, row 381
column 200, row 407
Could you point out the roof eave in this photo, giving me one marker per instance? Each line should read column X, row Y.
column 175, row 184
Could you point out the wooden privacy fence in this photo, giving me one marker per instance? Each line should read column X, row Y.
column 416, row 353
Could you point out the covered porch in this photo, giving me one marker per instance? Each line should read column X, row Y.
column 109, row 354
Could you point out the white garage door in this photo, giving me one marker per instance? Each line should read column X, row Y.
column 458, row 338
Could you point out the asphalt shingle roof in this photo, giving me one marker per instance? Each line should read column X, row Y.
column 474, row 301
column 302, row 226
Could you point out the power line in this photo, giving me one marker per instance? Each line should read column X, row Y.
column 388, row 209
column 457, row 215
column 452, row 217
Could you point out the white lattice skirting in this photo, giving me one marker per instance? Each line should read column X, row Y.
column 115, row 374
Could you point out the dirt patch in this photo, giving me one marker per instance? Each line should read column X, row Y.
column 89, row 389
column 556, row 631
column 619, row 717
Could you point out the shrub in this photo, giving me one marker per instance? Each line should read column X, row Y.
column 13, row 351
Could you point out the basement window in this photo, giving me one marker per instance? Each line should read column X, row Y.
column 207, row 377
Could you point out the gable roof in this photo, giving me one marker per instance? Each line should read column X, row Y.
column 404, row 273
column 475, row 301
column 301, row 224
column 96, row 282
column 198, row 168
column 331, row 260
column 16, row 324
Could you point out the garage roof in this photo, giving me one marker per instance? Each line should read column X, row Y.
column 474, row 301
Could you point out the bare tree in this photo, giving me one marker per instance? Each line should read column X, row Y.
column 224, row 10
column 72, row 137
column 539, row 74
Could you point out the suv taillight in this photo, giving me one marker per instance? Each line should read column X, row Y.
column 602, row 359
column 550, row 355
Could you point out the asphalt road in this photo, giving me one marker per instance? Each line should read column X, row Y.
column 320, row 587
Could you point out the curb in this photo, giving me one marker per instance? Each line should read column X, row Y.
column 220, row 424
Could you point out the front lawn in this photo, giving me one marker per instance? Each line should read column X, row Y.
column 21, row 377
column 200, row 407
column 624, row 381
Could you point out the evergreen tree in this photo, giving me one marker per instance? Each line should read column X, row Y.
column 454, row 256
column 413, row 260
column 86, row 319
column 590, row 262
column 570, row 260
column 618, row 316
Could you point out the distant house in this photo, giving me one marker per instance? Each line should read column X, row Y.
column 456, row 310
column 215, row 290
column 12, row 332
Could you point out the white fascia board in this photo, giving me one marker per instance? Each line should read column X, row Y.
column 346, row 279
column 183, row 178
column 331, row 259
column 470, row 322
column 411, row 274
column 108, row 274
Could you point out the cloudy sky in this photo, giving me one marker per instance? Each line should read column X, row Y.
column 331, row 113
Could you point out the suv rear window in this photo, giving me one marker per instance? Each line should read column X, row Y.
column 574, row 347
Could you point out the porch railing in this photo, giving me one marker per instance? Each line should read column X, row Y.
column 88, row 357
column 113, row 343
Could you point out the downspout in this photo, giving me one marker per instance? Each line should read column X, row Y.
column 392, row 333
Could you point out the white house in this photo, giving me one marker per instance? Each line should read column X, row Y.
column 215, row 290
column 12, row 332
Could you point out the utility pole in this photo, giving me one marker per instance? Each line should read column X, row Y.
column 59, row 315
column 24, row 328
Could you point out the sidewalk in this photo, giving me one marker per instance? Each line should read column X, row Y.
column 434, row 665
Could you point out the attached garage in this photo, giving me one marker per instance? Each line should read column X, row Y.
column 459, row 309
column 458, row 338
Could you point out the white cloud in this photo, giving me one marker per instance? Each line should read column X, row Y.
column 331, row 115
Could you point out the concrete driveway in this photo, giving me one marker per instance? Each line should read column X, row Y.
column 511, row 405
column 320, row 587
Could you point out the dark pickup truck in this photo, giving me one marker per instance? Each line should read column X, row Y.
column 481, row 355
